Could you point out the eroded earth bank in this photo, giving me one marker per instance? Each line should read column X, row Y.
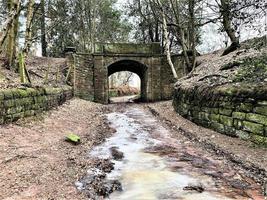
column 126, row 152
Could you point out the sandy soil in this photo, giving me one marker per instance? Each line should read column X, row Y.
column 35, row 160
column 242, row 153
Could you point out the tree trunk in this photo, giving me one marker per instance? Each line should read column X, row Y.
column 167, row 41
column 180, row 32
column 226, row 14
column 43, row 29
column 13, row 6
column 192, row 35
column 93, row 27
column 28, row 33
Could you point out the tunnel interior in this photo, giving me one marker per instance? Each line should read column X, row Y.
column 135, row 67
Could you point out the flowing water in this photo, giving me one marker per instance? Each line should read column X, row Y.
column 146, row 175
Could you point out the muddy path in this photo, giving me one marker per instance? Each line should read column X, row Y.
column 143, row 161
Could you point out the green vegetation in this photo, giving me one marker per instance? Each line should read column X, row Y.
column 252, row 70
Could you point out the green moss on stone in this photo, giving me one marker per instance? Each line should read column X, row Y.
column 204, row 116
column 8, row 94
column 239, row 115
column 238, row 124
column 228, row 121
column 246, row 107
column 261, row 110
column 228, row 130
column 217, row 126
column 214, row 110
column 253, row 127
column 2, row 96
column 243, row 135
column 23, row 93
column 9, row 103
column 257, row 118
column 214, row 117
column 260, row 140
column 227, row 112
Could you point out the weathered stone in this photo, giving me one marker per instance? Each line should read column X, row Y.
column 227, row 112
column 246, row 107
column 206, row 109
column 239, row 115
column 253, row 127
column 214, row 110
column 228, row 121
column 257, row 118
column 260, row 140
column 8, row 94
column 227, row 105
column 9, row 103
column 217, row 126
column 230, row 131
column 214, row 117
column 18, row 103
column 204, row 116
column 243, row 135
column 263, row 103
column 238, row 124
column 2, row 96
column 261, row 110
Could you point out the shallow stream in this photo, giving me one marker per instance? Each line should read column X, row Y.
column 149, row 170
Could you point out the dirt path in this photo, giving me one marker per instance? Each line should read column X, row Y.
column 36, row 162
column 242, row 153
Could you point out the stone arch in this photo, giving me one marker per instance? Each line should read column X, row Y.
column 133, row 66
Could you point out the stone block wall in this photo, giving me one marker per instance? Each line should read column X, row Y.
column 18, row 103
column 84, row 85
column 238, row 111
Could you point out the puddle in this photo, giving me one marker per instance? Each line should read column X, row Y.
column 149, row 176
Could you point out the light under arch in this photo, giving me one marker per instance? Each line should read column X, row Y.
column 131, row 66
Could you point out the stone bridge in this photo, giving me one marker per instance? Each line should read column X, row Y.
column 146, row 60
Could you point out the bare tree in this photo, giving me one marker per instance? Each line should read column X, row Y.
column 166, row 39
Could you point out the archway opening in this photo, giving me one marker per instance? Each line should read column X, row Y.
column 124, row 86
column 127, row 81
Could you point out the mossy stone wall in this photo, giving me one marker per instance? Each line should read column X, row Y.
column 234, row 110
column 18, row 103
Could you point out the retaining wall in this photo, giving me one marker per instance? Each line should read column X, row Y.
column 234, row 110
column 19, row 103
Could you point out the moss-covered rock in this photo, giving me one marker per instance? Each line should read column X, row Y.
column 257, row 118
column 224, row 111
column 238, row 124
column 261, row 110
column 214, row 117
column 260, row 140
column 253, row 127
column 228, row 121
column 245, row 107
column 239, row 115
column 243, row 134
column 217, row 126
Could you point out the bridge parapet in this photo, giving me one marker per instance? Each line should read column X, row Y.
column 128, row 48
